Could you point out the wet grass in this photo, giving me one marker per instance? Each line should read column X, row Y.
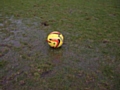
column 3, row 63
column 88, row 60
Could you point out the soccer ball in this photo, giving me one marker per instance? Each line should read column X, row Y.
column 55, row 39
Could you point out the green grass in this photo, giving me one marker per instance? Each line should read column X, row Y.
column 3, row 63
column 88, row 60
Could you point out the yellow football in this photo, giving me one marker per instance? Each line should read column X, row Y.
column 55, row 39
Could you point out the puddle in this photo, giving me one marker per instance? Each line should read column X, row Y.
column 28, row 47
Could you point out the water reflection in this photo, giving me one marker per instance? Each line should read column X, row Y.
column 55, row 55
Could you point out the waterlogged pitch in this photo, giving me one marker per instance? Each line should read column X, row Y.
column 88, row 59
